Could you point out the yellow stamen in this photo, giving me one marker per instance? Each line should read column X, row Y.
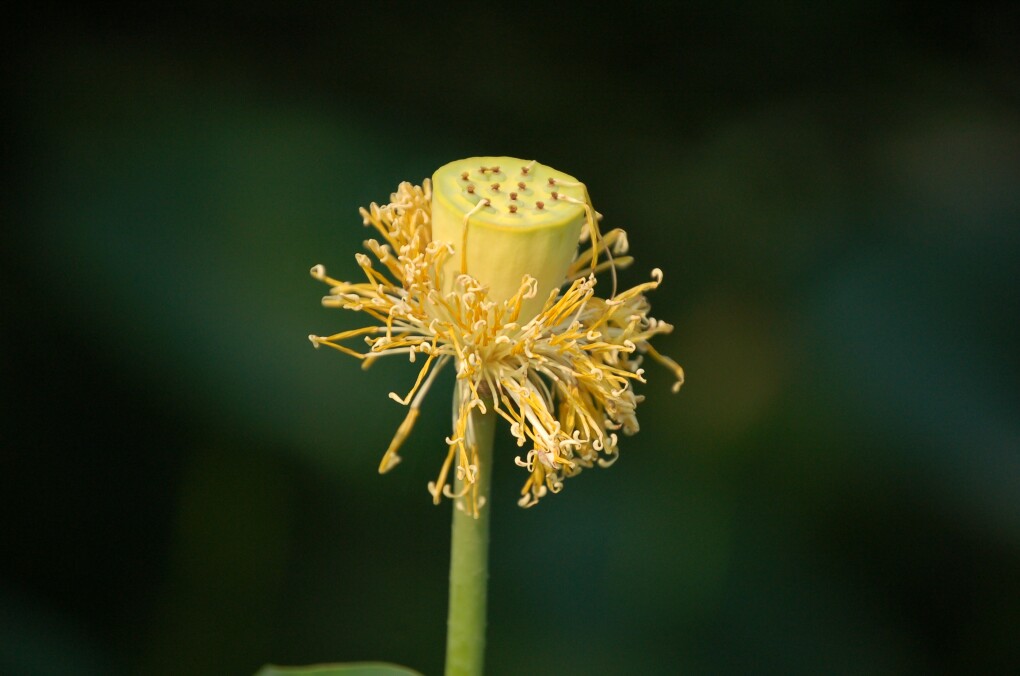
column 553, row 359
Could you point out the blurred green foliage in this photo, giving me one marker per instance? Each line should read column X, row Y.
column 361, row 669
column 188, row 487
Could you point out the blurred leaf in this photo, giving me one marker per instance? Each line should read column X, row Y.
column 353, row 669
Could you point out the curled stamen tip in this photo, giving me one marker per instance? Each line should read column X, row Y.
column 679, row 373
column 318, row 271
column 315, row 340
column 389, row 463
column 657, row 275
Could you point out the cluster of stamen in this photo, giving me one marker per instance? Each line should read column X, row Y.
column 563, row 379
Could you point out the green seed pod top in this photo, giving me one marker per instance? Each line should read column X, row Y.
column 507, row 218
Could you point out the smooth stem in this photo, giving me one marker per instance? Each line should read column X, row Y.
column 469, row 558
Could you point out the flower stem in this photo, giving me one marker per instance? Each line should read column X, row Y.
column 469, row 558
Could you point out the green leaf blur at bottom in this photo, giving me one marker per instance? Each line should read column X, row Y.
column 353, row 669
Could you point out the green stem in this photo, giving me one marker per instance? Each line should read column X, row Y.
column 469, row 560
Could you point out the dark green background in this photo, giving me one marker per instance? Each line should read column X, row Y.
column 833, row 194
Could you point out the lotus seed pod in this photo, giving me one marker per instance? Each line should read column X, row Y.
column 507, row 218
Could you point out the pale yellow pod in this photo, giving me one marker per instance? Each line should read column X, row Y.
column 507, row 218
